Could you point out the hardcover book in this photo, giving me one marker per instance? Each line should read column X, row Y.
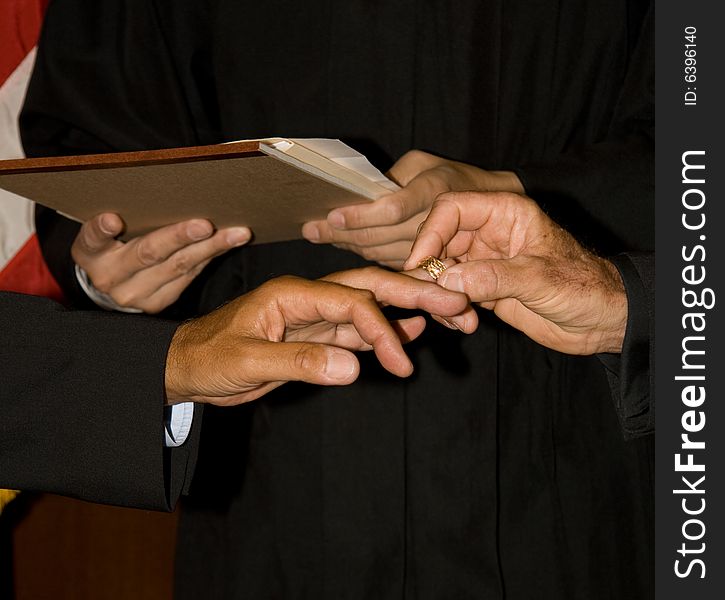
column 272, row 185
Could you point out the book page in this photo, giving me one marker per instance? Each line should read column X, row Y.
column 330, row 150
column 344, row 155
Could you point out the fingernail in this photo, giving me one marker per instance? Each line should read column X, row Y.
column 238, row 236
column 198, row 231
column 451, row 281
column 336, row 219
column 107, row 224
column 340, row 365
column 311, row 232
column 450, row 324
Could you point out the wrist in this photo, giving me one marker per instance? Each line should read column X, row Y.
column 177, row 367
column 614, row 322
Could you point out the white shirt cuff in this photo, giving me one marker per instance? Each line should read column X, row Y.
column 178, row 423
column 101, row 299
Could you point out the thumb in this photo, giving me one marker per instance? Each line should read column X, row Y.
column 99, row 233
column 318, row 364
column 490, row 280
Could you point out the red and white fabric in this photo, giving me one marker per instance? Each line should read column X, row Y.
column 22, row 268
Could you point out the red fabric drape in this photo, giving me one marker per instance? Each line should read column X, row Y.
column 20, row 22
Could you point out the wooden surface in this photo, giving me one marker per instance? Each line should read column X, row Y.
column 65, row 548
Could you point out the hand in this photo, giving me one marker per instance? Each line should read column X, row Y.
column 151, row 271
column 292, row 329
column 384, row 230
column 528, row 270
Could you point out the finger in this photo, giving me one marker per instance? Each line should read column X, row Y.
column 423, row 275
column 134, row 292
column 345, row 335
column 107, row 270
column 491, row 280
column 300, row 361
column 439, row 228
column 400, row 290
column 391, row 209
column 302, row 302
column 409, row 329
column 134, row 287
column 321, row 232
column 389, row 254
column 187, row 262
column 377, row 331
column 466, row 321
column 508, row 216
column 155, row 247
column 98, row 235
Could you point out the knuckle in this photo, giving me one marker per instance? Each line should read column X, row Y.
column 275, row 287
column 365, row 237
column 395, row 208
column 182, row 264
column 369, row 253
column 195, row 270
column 309, row 358
column 102, row 282
column 146, row 254
column 370, row 271
column 445, row 199
column 370, row 276
column 80, row 250
column 153, row 307
column 364, row 295
column 124, row 299
column 282, row 281
column 413, row 157
column 354, row 217
column 414, row 154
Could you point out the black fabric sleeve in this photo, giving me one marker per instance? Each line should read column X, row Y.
column 631, row 373
column 82, row 401
column 604, row 192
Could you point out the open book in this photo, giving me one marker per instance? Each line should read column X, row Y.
column 271, row 185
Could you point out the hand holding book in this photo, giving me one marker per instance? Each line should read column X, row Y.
column 149, row 272
column 384, row 230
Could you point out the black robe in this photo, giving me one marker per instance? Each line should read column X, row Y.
column 499, row 469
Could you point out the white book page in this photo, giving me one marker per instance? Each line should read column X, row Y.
column 317, row 155
column 343, row 155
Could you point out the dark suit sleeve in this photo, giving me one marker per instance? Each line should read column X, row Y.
column 81, row 405
column 631, row 373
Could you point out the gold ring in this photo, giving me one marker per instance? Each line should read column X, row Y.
column 433, row 266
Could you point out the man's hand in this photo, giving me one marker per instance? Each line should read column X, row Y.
column 149, row 272
column 384, row 230
column 528, row 270
column 292, row 329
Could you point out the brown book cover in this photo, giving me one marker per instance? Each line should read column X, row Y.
column 272, row 186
